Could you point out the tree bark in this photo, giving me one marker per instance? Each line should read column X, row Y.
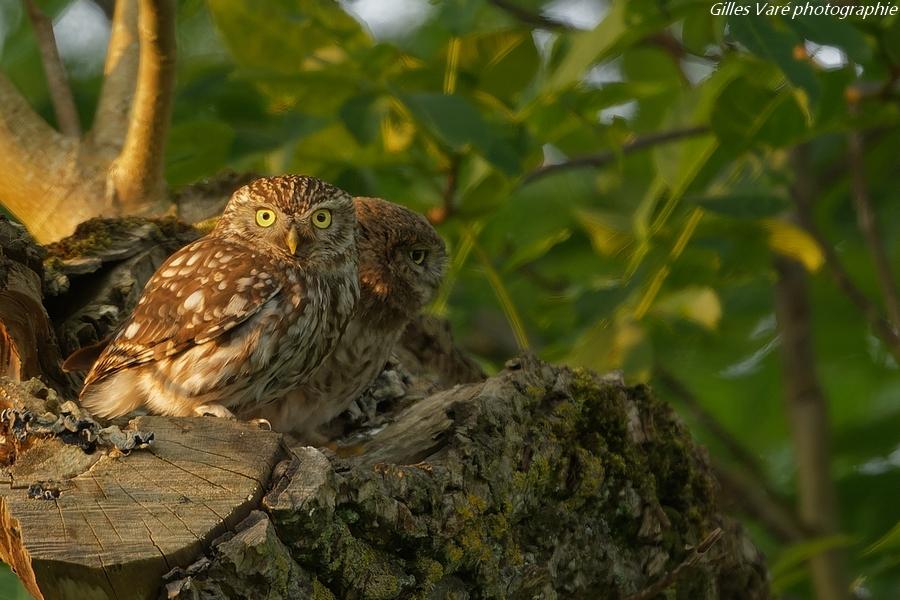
column 138, row 170
column 27, row 343
column 807, row 412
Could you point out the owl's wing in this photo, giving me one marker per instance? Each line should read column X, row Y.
column 202, row 291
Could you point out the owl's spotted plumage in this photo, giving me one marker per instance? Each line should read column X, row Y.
column 243, row 314
column 401, row 264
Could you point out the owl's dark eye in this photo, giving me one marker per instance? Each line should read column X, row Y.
column 322, row 218
column 417, row 256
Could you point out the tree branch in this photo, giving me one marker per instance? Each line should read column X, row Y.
column 748, row 497
column 881, row 327
column 138, row 171
column 29, row 149
column 529, row 18
column 120, row 76
column 865, row 216
column 807, row 407
column 57, row 82
column 602, row 159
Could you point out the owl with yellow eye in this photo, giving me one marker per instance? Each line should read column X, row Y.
column 242, row 315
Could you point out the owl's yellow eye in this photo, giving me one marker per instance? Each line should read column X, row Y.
column 417, row 256
column 322, row 218
column 265, row 217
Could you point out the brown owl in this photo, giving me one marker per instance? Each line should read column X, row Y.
column 401, row 264
column 242, row 315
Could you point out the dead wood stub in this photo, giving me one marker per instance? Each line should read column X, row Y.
column 95, row 276
column 116, row 527
column 27, row 344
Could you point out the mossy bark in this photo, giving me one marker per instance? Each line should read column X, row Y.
column 540, row 482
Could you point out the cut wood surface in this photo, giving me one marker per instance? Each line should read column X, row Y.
column 118, row 523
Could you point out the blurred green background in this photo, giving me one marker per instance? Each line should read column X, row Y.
column 648, row 248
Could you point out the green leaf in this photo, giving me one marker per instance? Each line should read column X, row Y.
column 451, row 118
column 747, row 115
column 455, row 122
column 197, row 148
column 700, row 30
column 800, row 553
column 625, row 23
column 888, row 542
column 697, row 304
column 362, row 116
column 502, row 63
column 610, row 233
column 289, row 35
column 11, row 587
column 742, row 205
column 776, row 45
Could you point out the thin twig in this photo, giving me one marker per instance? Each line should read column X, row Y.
column 54, row 70
column 865, row 216
column 881, row 327
column 744, row 492
column 529, row 18
column 139, row 168
column 602, row 159
column 669, row 579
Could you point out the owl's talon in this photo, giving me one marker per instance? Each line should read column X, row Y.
column 262, row 424
column 214, row 410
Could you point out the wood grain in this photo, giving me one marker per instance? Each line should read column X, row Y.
column 116, row 528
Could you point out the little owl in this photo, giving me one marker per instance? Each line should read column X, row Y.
column 401, row 264
column 242, row 315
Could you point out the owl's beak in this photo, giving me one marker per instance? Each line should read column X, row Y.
column 292, row 239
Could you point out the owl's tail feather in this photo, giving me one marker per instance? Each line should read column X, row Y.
column 114, row 396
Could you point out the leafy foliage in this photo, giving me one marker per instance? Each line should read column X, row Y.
column 656, row 257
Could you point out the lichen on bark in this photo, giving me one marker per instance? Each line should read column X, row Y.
column 541, row 482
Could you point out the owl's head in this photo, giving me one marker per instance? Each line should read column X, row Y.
column 299, row 218
column 401, row 260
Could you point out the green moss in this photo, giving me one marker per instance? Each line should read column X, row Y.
column 568, row 468
column 320, row 592
column 95, row 235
